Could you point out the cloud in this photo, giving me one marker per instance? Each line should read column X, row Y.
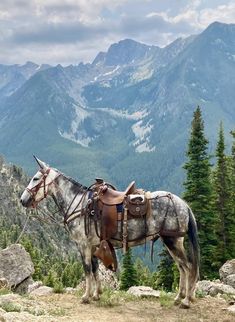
column 69, row 31
column 222, row 13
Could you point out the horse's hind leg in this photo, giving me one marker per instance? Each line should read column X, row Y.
column 95, row 271
column 176, row 249
column 193, row 277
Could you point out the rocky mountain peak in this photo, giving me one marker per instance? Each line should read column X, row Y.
column 218, row 30
column 124, row 52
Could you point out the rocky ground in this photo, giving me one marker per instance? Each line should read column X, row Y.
column 113, row 306
column 215, row 302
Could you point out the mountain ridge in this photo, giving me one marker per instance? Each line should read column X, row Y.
column 127, row 114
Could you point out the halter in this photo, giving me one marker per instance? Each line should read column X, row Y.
column 42, row 184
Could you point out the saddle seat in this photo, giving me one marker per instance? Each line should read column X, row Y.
column 113, row 197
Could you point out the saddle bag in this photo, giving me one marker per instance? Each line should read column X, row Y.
column 107, row 255
column 137, row 205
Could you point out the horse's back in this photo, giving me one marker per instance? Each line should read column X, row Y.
column 170, row 210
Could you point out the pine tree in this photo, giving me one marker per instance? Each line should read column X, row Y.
column 128, row 273
column 144, row 275
column 198, row 193
column 231, row 218
column 165, row 274
column 222, row 203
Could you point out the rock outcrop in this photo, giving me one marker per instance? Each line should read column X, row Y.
column 42, row 291
column 226, row 284
column 213, row 288
column 107, row 277
column 16, row 268
column 227, row 273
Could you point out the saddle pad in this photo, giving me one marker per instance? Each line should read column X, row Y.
column 119, row 207
column 137, row 198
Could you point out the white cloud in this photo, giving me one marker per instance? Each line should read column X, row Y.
column 222, row 13
column 75, row 30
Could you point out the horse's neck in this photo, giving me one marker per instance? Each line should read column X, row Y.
column 68, row 195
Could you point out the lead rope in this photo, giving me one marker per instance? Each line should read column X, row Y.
column 23, row 230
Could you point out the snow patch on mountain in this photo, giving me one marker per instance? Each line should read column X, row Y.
column 76, row 134
column 109, row 73
column 112, row 71
column 142, row 136
column 142, row 73
column 124, row 113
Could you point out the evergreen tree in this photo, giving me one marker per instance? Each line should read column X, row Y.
column 165, row 274
column 198, row 193
column 144, row 275
column 128, row 273
column 231, row 218
column 222, row 203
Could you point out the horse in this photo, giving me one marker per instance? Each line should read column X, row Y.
column 167, row 209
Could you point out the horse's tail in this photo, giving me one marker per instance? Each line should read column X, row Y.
column 194, row 250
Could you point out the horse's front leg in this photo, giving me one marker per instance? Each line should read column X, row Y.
column 87, row 266
column 95, row 271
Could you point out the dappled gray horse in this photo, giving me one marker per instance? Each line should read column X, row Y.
column 168, row 210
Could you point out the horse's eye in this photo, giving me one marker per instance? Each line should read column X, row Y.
column 35, row 179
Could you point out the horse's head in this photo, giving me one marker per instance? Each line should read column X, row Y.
column 39, row 186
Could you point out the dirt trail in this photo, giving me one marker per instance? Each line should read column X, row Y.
column 67, row 307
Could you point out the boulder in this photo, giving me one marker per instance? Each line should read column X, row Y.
column 15, row 265
column 227, row 269
column 143, row 291
column 42, row 291
column 231, row 309
column 214, row 288
column 70, row 290
column 33, row 286
column 230, row 280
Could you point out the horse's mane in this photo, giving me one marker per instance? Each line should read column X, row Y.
column 72, row 180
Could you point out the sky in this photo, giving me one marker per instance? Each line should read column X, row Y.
column 74, row 31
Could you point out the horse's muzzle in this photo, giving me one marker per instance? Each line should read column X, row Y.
column 26, row 200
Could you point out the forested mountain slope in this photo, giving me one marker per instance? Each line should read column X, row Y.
column 126, row 115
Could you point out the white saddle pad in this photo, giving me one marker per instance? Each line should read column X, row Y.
column 140, row 198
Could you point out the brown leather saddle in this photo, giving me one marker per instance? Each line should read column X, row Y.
column 110, row 197
column 117, row 206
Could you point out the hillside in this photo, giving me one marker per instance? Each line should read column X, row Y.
column 127, row 114
column 48, row 237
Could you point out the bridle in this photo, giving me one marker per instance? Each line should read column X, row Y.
column 68, row 213
column 41, row 184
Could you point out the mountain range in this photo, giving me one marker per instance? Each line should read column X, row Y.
column 125, row 116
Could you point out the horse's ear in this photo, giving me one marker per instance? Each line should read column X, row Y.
column 41, row 164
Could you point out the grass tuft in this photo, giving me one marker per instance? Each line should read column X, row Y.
column 200, row 294
column 4, row 291
column 110, row 298
column 166, row 299
column 57, row 312
column 10, row 307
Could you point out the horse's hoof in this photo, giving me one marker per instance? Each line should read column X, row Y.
column 177, row 301
column 95, row 297
column 85, row 300
column 184, row 305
